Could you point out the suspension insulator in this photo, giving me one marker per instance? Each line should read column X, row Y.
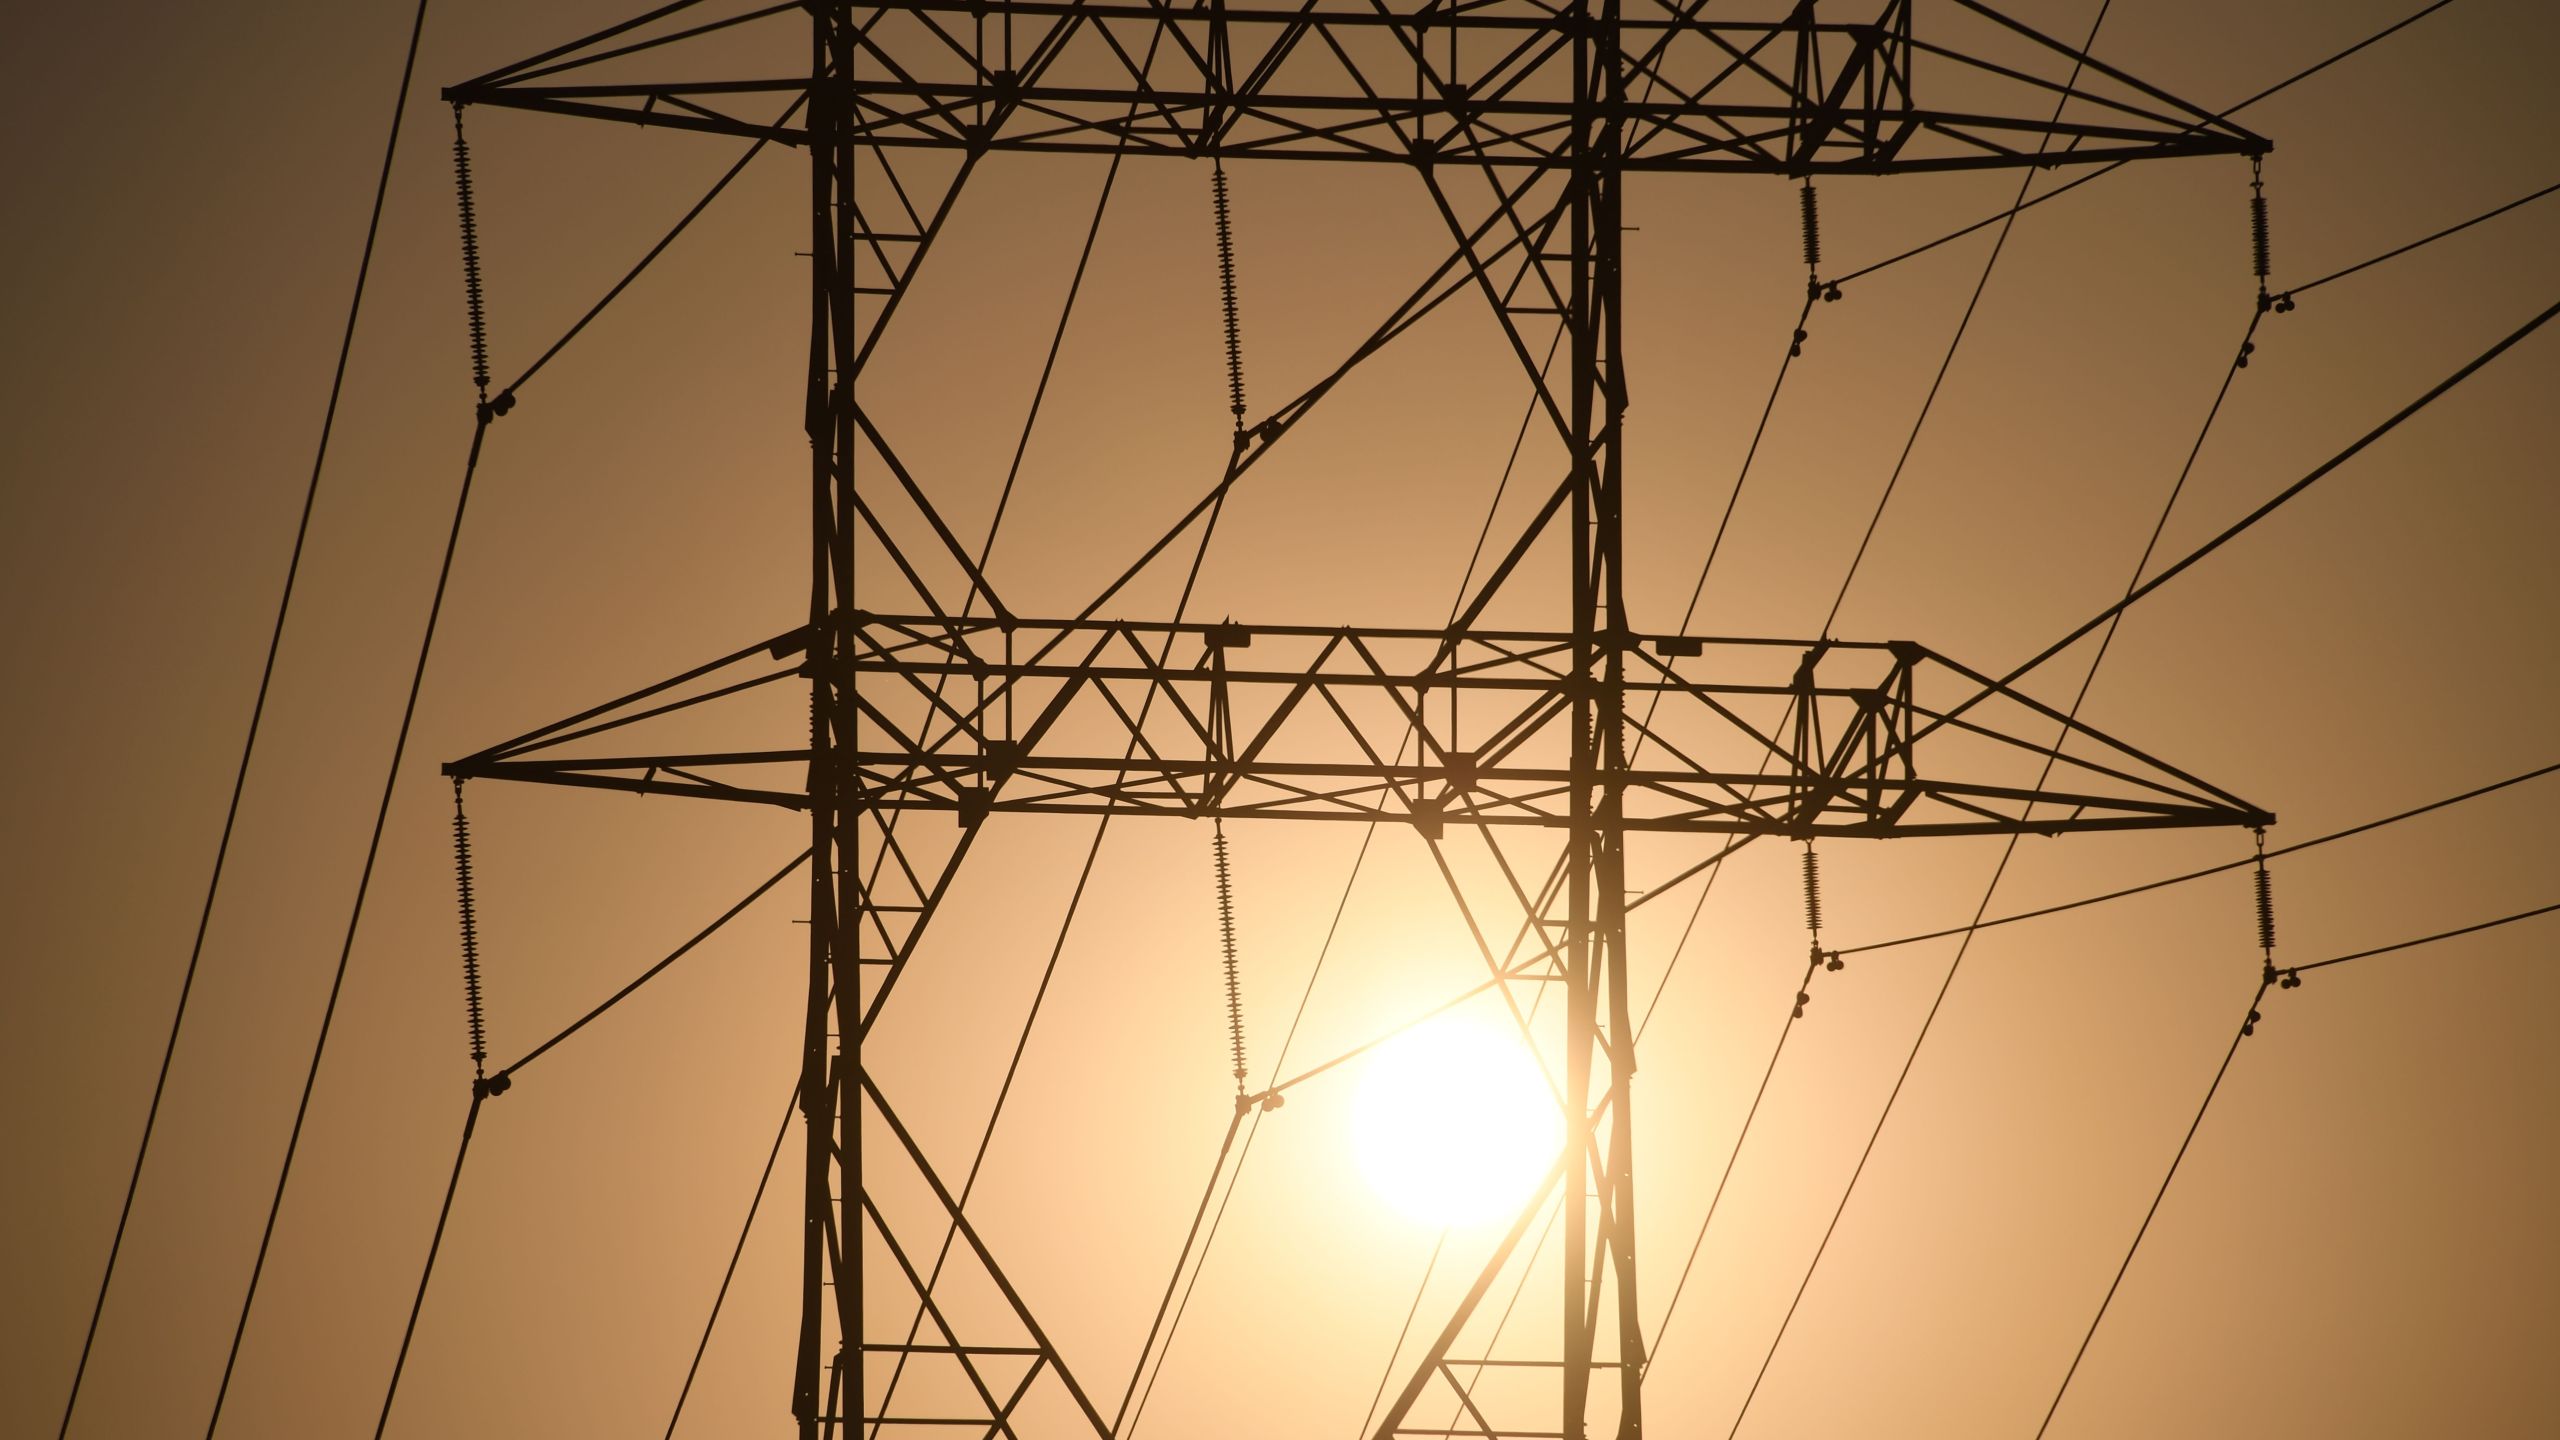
column 471, row 259
column 1813, row 894
column 1227, row 291
column 1812, row 227
column 2266, row 909
column 2259, row 249
column 1227, row 940
column 470, row 938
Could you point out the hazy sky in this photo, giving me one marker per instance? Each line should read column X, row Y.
column 2358, row 1242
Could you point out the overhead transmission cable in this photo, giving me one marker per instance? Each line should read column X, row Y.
column 2291, row 977
column 485, row 412
column 2427, row 939
column 257, row 713
column 2079, row 180
column 2241, row 1032
column 2234, row 531
column 790, row 1109
column 2241, row 863
column 2267, row 979
column 2398, row 251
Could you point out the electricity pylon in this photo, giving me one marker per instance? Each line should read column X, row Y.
column 927, row 693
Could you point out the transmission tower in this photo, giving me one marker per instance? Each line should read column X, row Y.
column 934, row 707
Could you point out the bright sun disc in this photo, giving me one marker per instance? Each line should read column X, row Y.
column 1453, row 1123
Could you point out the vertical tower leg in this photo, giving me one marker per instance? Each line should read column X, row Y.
column 1600, row 1198
column 1567, row 260
column 831, row 1238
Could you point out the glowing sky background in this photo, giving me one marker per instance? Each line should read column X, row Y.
column 2358, row 1244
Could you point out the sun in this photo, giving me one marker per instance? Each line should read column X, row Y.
column 1453, row 1123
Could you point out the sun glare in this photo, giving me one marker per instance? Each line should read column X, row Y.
column 1453, row 1124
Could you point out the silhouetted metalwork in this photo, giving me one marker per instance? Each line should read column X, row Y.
column 1519, row 120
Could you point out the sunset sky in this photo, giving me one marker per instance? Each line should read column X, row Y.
column 2358, row 1242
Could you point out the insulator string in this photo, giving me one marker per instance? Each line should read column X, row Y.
column 1227, row 291
column 1812, row 211
column 471, row 259
column 1227, row 943
column 1816, row 958
column 2259, row 249
column 471, row 999
column 1813, row 892
column 2289, row 978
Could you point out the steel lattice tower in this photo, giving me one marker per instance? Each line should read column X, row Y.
column 1522, row 120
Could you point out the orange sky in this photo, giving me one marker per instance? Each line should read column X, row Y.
column 2357, row 1244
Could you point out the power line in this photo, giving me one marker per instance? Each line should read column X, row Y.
column 655, row 251
column 2325, row 467
column 790, row 1105
column 506, row 1076
column 1955, row 341
column 2394, row 254
column 1396, row 1352
column 2428, row 939
column 2079, row 180
column 257, row 714
column 2157, row 1196
column 355, row 915
column 2301, row 75
column 435, row 1246
column 2246, row 1026
column 2148, row 886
